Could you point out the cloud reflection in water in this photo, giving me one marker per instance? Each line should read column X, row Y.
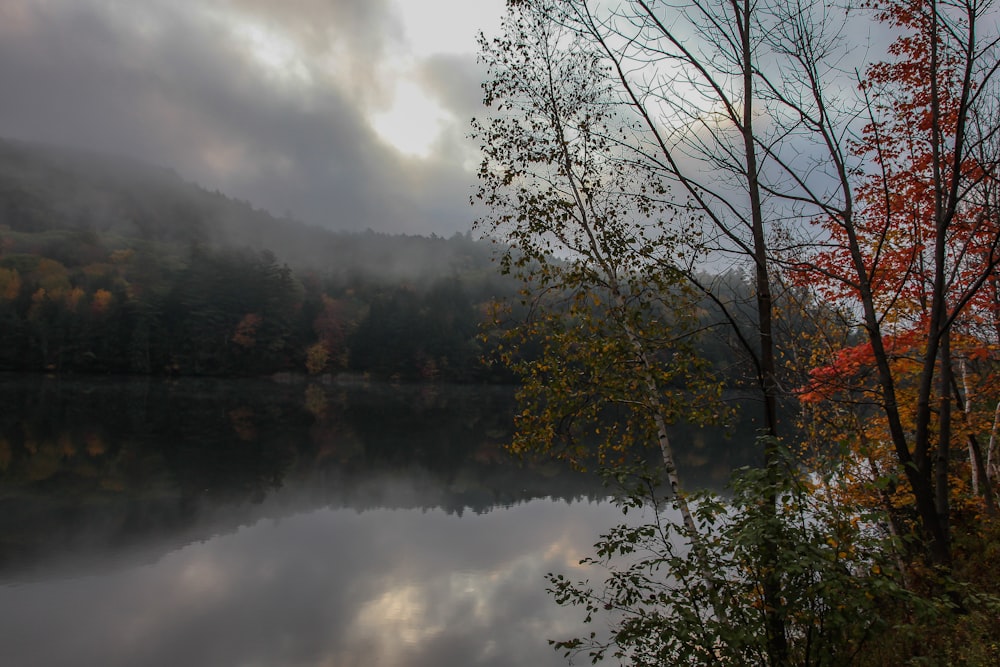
column 397, row 535
column 337, row 587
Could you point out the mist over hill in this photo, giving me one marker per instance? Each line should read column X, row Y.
column 46, row 188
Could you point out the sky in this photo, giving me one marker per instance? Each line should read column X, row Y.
column 349, row 114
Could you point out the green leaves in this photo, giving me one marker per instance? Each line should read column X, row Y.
column 605, row 346
column 661, row 609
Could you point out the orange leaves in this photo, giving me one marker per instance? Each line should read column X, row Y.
column 10, row 284
column 918, row 252
column 980, row 352
column 850, row 365
column 908, row 229
column 101, row 301
column 246, row 330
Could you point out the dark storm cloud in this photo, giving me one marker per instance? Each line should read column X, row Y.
column 174, row 84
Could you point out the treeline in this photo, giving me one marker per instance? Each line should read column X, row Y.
column 75, row 301
column 112, row 266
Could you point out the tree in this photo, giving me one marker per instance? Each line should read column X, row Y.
column 918, row 253
column 615, row 363
column 684, row 84
column 652, row 139
column 834, row 578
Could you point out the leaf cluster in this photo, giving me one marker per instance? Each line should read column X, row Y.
column 840, row 591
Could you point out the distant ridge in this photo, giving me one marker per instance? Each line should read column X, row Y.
column 45, row 187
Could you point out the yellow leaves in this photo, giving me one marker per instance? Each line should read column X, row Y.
column 10, row 284
column 317, row 357
column 122, row 256
column 315, row 401
column 51, row 275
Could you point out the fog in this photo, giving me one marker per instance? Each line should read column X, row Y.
column 48, row 187
column 277, row 108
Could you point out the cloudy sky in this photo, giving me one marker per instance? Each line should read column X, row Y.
column 352, row 114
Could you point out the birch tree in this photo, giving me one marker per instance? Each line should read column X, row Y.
column 634, row 144
column 615, row 363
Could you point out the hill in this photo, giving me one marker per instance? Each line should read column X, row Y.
column 45, row 189
column 112, row 265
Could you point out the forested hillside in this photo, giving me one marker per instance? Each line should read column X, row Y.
column 110, row 265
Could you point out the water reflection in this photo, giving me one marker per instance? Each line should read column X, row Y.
column 256, row 523
column 328, row 587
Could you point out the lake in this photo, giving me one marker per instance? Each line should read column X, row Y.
column 253, row 522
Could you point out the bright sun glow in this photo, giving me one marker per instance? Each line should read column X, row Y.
column 401, row 614
column 402, row 113
column 273, row 53
column 413, row 121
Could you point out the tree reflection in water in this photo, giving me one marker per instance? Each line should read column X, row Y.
column 214, row 522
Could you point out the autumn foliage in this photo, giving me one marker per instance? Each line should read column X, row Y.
column 911, row 400
column 627, row 139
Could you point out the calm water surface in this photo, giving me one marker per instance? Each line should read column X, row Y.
column 257, row 523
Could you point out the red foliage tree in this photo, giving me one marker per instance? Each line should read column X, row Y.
column 917, row 254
